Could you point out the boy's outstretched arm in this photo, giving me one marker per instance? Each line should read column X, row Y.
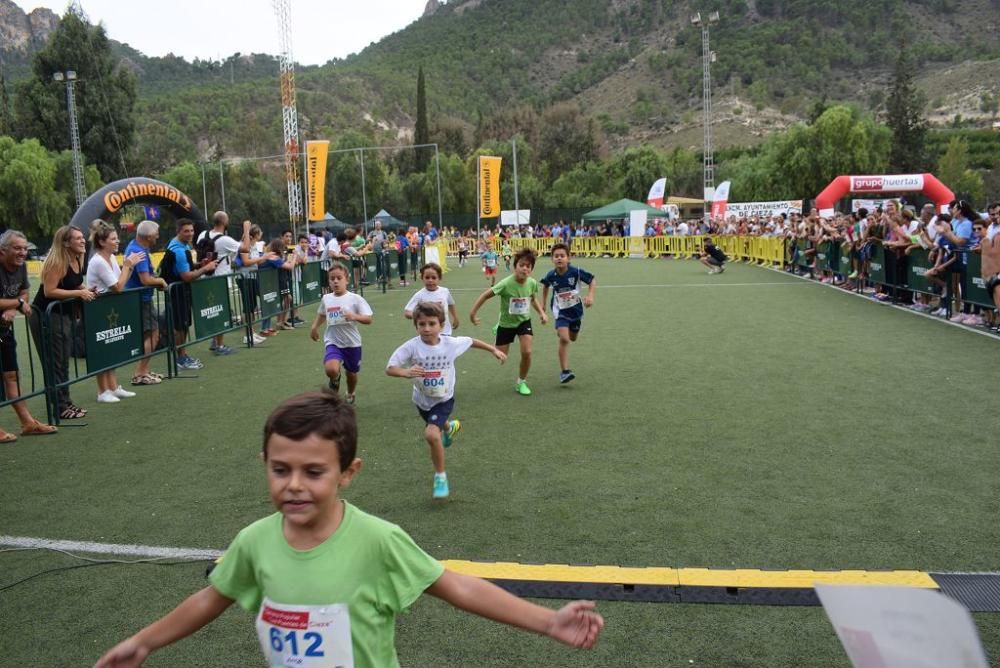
column 576, row 624
column 480, row 300
column 314, row 330
column 453, row 315
column 195, row 612
column 545, row 296
column 482, row 345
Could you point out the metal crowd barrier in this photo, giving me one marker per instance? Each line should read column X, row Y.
column 18, row 340
column 83, row 339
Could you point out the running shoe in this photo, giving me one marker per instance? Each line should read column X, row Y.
column 440, row 486
column 453, row 427
column 522, row 388
column 335, row 384
column 223, row 350
column 566, row 376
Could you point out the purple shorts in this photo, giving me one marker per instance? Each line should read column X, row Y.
column 349, row 358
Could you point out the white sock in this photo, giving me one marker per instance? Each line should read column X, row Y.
column 443, row 475
column 520, row 380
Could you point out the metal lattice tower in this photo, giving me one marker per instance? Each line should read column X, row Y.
column 79, row 188
column 707, row 58
column 289, row 114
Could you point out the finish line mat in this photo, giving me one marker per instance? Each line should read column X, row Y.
column 979, row 592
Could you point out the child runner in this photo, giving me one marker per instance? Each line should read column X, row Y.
column 433, row 291
column 489, row 259
column 567, row 309
column 429, row 359
column 507, row 253
column 325, row 579
column 463, row 250
column 341, row 311
column 518, row 294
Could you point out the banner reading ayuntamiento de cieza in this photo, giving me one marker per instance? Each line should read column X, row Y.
column 489, row 186
column 316, row 152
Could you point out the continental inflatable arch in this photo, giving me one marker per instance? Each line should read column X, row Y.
column 928, row 184
column 110, row 199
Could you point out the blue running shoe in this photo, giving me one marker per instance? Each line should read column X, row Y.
column 449, row 433
column 440, row 486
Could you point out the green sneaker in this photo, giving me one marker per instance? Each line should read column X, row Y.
column 454, row 426
column 523, row 389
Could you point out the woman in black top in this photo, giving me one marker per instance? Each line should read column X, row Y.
column 62, row 277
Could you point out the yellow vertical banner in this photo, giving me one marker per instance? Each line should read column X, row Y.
column 316, row 152
column 489, row 186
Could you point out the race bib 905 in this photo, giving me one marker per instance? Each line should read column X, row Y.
column 335, row 316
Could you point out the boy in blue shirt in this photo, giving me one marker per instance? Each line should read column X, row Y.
column 567, row 306
column 325, row 579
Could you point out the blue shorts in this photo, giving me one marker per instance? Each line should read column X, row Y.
column 438, row 414
column 349, row 358
column 573, row 325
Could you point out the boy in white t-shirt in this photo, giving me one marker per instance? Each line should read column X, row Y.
column 433, row 291
column 341, row 311
column 429, row 359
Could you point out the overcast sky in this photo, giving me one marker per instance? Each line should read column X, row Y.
column 213, row 29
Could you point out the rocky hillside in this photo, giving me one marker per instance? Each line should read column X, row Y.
column 632, row 65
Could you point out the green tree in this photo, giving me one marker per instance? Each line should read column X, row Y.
column 567, row 137
column 29, row 201
column 105, row 97
column 953, row 170
column 905, row 116
column 586, row 185
column 422, row 133
column 636, row 170
column 344, row 184
column 64, row 178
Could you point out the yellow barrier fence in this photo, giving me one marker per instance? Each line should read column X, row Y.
column 763, row 250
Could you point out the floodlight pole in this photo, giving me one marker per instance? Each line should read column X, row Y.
column 364, row 197
column 204, row 189
column 79, row 187
column 437, row 168
column 222, row 186
column 517, row 208
column 707, row 57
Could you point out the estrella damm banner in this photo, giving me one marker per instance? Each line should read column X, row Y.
column 113, row 329
column 316, row 153
column 270, row 294
column 210, row 308
column 489, row 186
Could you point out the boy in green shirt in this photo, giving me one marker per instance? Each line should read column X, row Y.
column 325, row 579
column 518, row 295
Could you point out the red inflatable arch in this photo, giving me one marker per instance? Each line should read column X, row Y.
column 928, row 184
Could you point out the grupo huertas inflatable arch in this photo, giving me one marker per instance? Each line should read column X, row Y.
column 110, row 199
column 928, row 184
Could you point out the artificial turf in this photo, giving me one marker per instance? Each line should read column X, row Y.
column 747, row 419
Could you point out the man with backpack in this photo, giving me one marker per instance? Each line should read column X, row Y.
column 177, row 266
column 215, row 244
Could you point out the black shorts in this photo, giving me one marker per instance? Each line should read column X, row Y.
column 180, row 308
column 715, row 263
column 438, row 414
column 8, row 351
column 992, row 283
column 506, row 335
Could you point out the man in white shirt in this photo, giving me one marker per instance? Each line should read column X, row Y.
column 682, row 229
column 226, row 249
column 994, row 227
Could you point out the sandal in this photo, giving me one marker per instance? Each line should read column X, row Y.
column 36, row 428
column 7, row 437
column 156, row 376
column 72, row 412
column 146, row 379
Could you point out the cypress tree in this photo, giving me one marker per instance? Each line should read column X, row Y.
column 905, row 117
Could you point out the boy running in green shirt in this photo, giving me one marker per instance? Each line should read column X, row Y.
column 518, row 295
column 325, row 579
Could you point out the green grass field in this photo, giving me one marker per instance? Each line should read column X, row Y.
column 749, row 419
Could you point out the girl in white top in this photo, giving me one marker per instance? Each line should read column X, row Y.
column 434, row 292
column 341, row 311
column 104, row 275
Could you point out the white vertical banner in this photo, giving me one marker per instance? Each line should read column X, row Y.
column 637, row 230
